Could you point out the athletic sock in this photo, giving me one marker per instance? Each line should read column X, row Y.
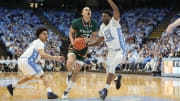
column 14, row 84
column 70, row 86
column 116, row 78
column 69, row 73
column 49, row 89
column 107, row 86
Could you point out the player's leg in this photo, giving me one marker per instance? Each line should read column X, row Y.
column 12, row 86
column 70, row 64
column 28, row 72
column 73, row 79
column 40, row 74
column 50, row 94
column 112, row 61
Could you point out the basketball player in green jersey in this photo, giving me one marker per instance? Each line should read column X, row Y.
column 82, row 27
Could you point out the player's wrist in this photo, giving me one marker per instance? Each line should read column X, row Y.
column 54, row 57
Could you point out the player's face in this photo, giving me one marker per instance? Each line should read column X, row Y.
column 86, row 12
column 105, row 18
column 43, row 36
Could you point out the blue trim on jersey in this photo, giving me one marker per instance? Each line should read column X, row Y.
column 32, row 59
column 121, row 41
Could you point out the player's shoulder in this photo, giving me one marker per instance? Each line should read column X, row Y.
column 76, row 20
column 102, row 25
column 38, row 42
column 94, row 21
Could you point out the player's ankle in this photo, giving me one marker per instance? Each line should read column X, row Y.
column 70, row 73
column 49, row 89
column 14, row 84
column 107, row 86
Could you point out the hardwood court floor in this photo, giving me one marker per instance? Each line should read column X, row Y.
column 134, row 88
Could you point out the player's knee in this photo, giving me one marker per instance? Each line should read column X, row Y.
column 70, row 62
column 71, row 56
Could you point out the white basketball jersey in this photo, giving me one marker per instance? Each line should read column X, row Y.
column 112, row 34
column 32, row 51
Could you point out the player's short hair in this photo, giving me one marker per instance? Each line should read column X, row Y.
column 40, row 30
column 85, row 7
column 107, row 12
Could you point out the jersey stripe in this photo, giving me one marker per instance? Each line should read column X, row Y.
column 32, row 59
column 121, row 40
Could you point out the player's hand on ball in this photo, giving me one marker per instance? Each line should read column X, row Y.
column 79, row 43
column 86, row 40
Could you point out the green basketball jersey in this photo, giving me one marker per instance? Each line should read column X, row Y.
column 84, row 28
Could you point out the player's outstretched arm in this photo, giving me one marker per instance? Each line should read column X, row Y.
column 116, row 13
column 96, row 43
column 47, row 56
column 171, row 26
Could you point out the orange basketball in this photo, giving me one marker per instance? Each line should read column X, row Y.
column 79, row 43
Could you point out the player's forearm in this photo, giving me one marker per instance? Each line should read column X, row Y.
column 47, row 56
column 92, row 39
column 113, row 5
column 96, row 43
column 93, row 44
column 176, row 23
column 71, row 37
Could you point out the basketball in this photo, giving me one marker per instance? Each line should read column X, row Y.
column 79, row 43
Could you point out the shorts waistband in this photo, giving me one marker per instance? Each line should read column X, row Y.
column 23, row 57
column 115, row 49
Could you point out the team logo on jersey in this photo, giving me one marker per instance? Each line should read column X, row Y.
column 108, row 35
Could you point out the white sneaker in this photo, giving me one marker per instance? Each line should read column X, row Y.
column 65, row 95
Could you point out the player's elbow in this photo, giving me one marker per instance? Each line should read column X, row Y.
column 98, row 43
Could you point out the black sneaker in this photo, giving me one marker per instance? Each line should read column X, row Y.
column 65, row 95
column 68, row 78
column 51, row 95
column 118, row 82
column 10, row 89
column 103, row 93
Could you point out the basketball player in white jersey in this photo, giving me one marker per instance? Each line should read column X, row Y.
column 110, row 32
column 173, row 25
column 27, row 63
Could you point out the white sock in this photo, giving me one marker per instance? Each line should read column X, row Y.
column 116, row 78
column 107, row 86
column 70, row 86
column 14, row 84
column 69, row 73
column 49, row 89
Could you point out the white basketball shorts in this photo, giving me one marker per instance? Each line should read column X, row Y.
column 29, row 68
column 113, row 59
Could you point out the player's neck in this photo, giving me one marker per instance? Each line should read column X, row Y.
column 42, row 40
column 86, row 19
column 106, row 23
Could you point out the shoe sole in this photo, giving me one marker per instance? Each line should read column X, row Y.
column 64, row 97
column 52, row 97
